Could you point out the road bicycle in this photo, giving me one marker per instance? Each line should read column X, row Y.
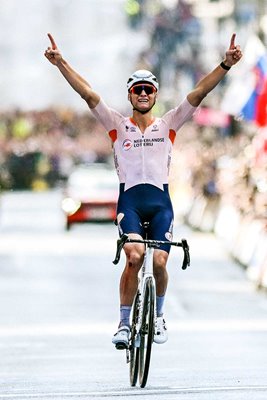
column 143, row 314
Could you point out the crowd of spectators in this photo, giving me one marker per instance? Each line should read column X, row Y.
column 39, row 148
column 220, row 169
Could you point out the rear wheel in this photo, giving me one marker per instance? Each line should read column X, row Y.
column 134, row 345
column 147, row 331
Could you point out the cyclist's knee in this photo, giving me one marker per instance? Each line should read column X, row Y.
column 134, row 256
column 160, row 261
column 135, row 259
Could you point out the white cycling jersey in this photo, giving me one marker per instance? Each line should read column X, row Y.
column 143, row 157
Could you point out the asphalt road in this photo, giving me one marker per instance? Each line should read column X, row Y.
column 59, row 309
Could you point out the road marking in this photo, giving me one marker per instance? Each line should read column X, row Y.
column 136, row 392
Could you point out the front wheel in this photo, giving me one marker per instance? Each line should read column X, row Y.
column 147, row 331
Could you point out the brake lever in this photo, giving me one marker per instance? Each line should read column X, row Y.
column 186, row 260
column 120, row 243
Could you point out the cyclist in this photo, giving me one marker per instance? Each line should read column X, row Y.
column 142, row 152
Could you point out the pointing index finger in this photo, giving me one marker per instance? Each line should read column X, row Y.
column 232, row 43
column 53, row 43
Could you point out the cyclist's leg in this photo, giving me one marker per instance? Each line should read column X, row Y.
column 128, row 288
column 129, row 222
column 160, row 271
column 129, row 279
column 161, row 229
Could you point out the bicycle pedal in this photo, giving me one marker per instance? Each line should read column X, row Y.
column 121, row 346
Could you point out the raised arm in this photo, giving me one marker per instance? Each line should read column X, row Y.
column 210, row 81
column 77, row 82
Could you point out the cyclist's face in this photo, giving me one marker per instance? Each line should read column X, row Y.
column 142, row 97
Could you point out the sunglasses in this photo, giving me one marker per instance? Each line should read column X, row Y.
column 137, row 89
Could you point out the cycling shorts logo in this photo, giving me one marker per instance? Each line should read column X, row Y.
column 168, row 236
column 127, row 144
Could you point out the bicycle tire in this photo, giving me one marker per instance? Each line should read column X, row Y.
column 134, row 350
column 147, row 332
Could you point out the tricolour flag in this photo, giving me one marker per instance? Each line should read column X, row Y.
column 246, row 96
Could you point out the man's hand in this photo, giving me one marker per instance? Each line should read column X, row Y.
column 52, row 53
column 233, row 54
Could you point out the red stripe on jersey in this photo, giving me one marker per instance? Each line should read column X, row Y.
column 113, row 135
column 172, row 135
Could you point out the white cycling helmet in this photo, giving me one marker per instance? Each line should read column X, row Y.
column 142, row 75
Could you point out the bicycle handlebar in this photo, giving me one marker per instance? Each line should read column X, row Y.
column 153, row 243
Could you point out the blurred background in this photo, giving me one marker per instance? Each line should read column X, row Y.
column 218, row 177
